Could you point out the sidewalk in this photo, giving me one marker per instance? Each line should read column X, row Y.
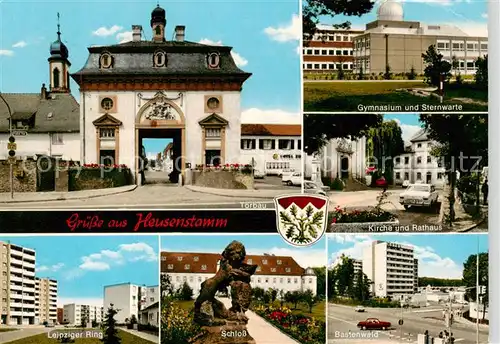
column 23, row 197
column 242, row 193
column 464, row 222
column 261, row 331
column 143, row 335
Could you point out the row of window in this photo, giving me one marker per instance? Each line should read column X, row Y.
column 253, row 279
column 277, row 166
column 333, row 38
column 397, row 160
column 328, row 66
column 159, row 59
column 269, row 144
column 362, row 44
column 330, row 52
column 439, row 175
column 462, row 46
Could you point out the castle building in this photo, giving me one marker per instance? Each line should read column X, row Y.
column 160, row 88
column 276, row 272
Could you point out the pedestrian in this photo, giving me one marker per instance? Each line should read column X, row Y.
column 484, row 190
column 440, row 334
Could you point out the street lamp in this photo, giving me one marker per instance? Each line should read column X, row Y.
column 10, row 135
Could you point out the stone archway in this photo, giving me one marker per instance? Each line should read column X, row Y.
column 158, row 117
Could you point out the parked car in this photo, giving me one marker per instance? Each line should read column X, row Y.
column 292, row 179
column 406, row 183
column 419, row 195
column 257, row 174
column 313, row 188
column 285, row 172
column 374, row 324
column 359, row 309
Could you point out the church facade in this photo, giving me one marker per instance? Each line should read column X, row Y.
column 185, row 91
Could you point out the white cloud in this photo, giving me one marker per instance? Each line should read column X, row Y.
column 80, row 301
column 259, row 116
column 4, row 52
column 106, row 259
column 105, row 32
column 285, row 33
column 51, row 268
column 20, row 44
column 238, row 59
column 430, row 264
column 124, row 37
column 408, row 131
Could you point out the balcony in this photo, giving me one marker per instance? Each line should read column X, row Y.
column 29, row 297
column 16, row 304
column 16, row 270
column 28, row 264
column 14, row 278
column 29, row 273
column 16, row 287
column 15, row 260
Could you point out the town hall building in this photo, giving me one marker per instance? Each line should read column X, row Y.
column 177, row 89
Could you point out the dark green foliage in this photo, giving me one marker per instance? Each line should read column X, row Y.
column 436, row 68
column 110, row 331
column 481, row 76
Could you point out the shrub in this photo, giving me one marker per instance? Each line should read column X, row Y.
column 185, row 292
column 177, row 325
column 337, row 184
column 340, row 215
column 412, row 75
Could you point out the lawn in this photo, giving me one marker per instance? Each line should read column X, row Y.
column 347, row 96
column 126, row 338
column 7, row 329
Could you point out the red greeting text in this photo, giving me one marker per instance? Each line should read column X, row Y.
column 75, row 222
column 149, row 221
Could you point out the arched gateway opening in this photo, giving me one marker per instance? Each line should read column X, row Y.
column 160, row 142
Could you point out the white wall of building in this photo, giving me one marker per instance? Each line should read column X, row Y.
column 74, row 313
column 272, row 161
column 41, row 143
column 124, row 297
column 473, row 310
column 129, row 104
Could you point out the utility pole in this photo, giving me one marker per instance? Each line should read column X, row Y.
column 477, row 292
column 11, row 140
column 401, row 321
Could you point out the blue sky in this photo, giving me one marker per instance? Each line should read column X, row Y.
column 313, row 256
column 470, row 16
column 409, row 123
column 83, row 265
column 440, row 255
column 155, row 146
column 265, row 41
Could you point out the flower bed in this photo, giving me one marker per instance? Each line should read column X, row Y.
column 95, row 176
column 177, row 324
column 306, row 330
column 342, row 220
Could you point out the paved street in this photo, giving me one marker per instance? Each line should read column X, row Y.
column 169, row 196
column 343, row 319
column 363, row 199
column 22, row 332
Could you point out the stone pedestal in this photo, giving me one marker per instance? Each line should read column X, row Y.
column 231, row 333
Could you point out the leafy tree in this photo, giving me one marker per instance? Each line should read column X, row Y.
column 309, row 299
column 320, row 273
column 266, row 298
column 312, row 10
column 439, row 282
column 258, row 293
column 110, row 331
column 361, row 286
column 481, row 76
column 166, row 285
column 133, row 319
column 320, row 129
column 84, row 322
column 435, row 67
column 412, row 75
column 469, row 277
column 332, row 283
column 281, row 294
column 385, row 142
column 293, row 297
column 185, row 292
column 345, row 276
column 387, row 74
column 461, row 145
column 273, row 294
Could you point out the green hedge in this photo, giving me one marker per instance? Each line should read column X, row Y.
column 97, row 178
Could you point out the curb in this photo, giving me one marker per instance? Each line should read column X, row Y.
column 69, row 198
column 221, row 193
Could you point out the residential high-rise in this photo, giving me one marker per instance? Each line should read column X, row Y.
column 391, row 268
column 45, row 300
column 358, row 266
column 75, row 314
column 129, row 298
column 17, row 282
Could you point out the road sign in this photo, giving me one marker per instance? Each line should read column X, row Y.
column 400, row 322
column 11, row 146
column 12, row 159
column 20, row 133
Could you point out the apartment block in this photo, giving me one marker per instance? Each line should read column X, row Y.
column 358, row 266
column 391, row 267
column 17, row 281
column 129, row 299
column 75, row 314
column 45, row 300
